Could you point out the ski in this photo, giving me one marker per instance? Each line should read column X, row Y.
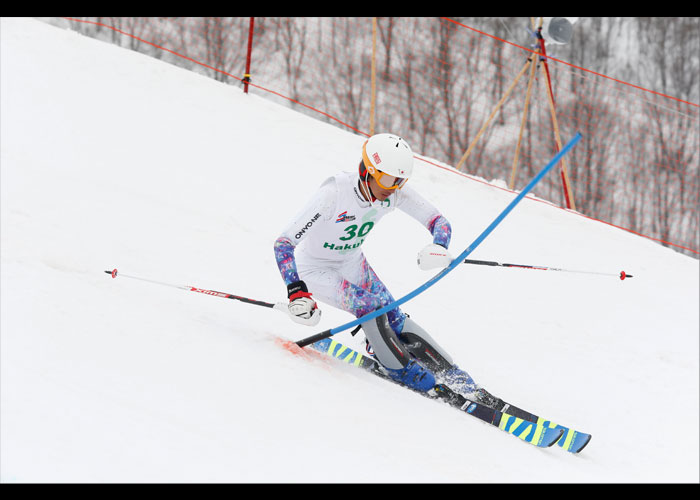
column 572, row 440
column 489, row 408
column 540, row 434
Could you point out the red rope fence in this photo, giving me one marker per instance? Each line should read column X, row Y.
column 441, row 84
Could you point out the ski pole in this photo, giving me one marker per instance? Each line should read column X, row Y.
column 279, row 306
column 622, row 274
column 457, row 261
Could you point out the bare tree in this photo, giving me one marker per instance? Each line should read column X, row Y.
column 638, row 163
column 292, row 39
column 670, row 62
column 385, row 29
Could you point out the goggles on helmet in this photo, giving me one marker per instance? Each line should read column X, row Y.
column 385, row 181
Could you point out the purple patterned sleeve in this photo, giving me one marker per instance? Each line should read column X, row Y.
column 284, row 255
column 441, row 230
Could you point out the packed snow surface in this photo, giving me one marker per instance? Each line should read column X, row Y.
column 112, row 159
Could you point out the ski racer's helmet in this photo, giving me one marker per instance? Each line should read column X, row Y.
column 387, row 158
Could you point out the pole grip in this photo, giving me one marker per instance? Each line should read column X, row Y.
column 481, row 262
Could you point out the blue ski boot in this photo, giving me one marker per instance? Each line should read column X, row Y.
column 394, row 357
column 414, row 375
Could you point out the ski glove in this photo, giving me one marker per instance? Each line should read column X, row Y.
column 302, row 307
column 434, row 256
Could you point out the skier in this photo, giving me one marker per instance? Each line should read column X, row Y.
column 319, row 256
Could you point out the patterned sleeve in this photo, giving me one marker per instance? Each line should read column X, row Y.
column 441, row 230
column 427, row 214
column 321, row 205
column 284, row 255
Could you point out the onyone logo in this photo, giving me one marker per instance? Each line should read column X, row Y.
column 307, row 226
column 375, row 157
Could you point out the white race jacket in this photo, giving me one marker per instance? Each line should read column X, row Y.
column 337, row 220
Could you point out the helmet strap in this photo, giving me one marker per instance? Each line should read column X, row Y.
column 367, row 191
column 364, row 183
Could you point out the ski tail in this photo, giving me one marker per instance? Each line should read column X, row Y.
column 572, row 440
column 537, row 433
column 337, row 350
column 532, row 432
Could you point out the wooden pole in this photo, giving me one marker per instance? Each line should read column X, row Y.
column 374, row 76
column 533, row 67
column 493, row 113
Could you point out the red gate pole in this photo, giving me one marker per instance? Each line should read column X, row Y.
column 246, row 76
column 566, row 185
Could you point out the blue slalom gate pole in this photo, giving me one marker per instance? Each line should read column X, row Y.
column 456, row 262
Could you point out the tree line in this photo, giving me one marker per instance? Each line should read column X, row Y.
column 437, row 82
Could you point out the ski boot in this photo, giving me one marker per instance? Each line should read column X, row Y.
column 413, row 375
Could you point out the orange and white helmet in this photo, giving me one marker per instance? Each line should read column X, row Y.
column 387, row 158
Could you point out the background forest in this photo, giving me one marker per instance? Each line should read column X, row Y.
column 629, row 85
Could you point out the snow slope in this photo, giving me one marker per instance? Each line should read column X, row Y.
column 114, row 159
